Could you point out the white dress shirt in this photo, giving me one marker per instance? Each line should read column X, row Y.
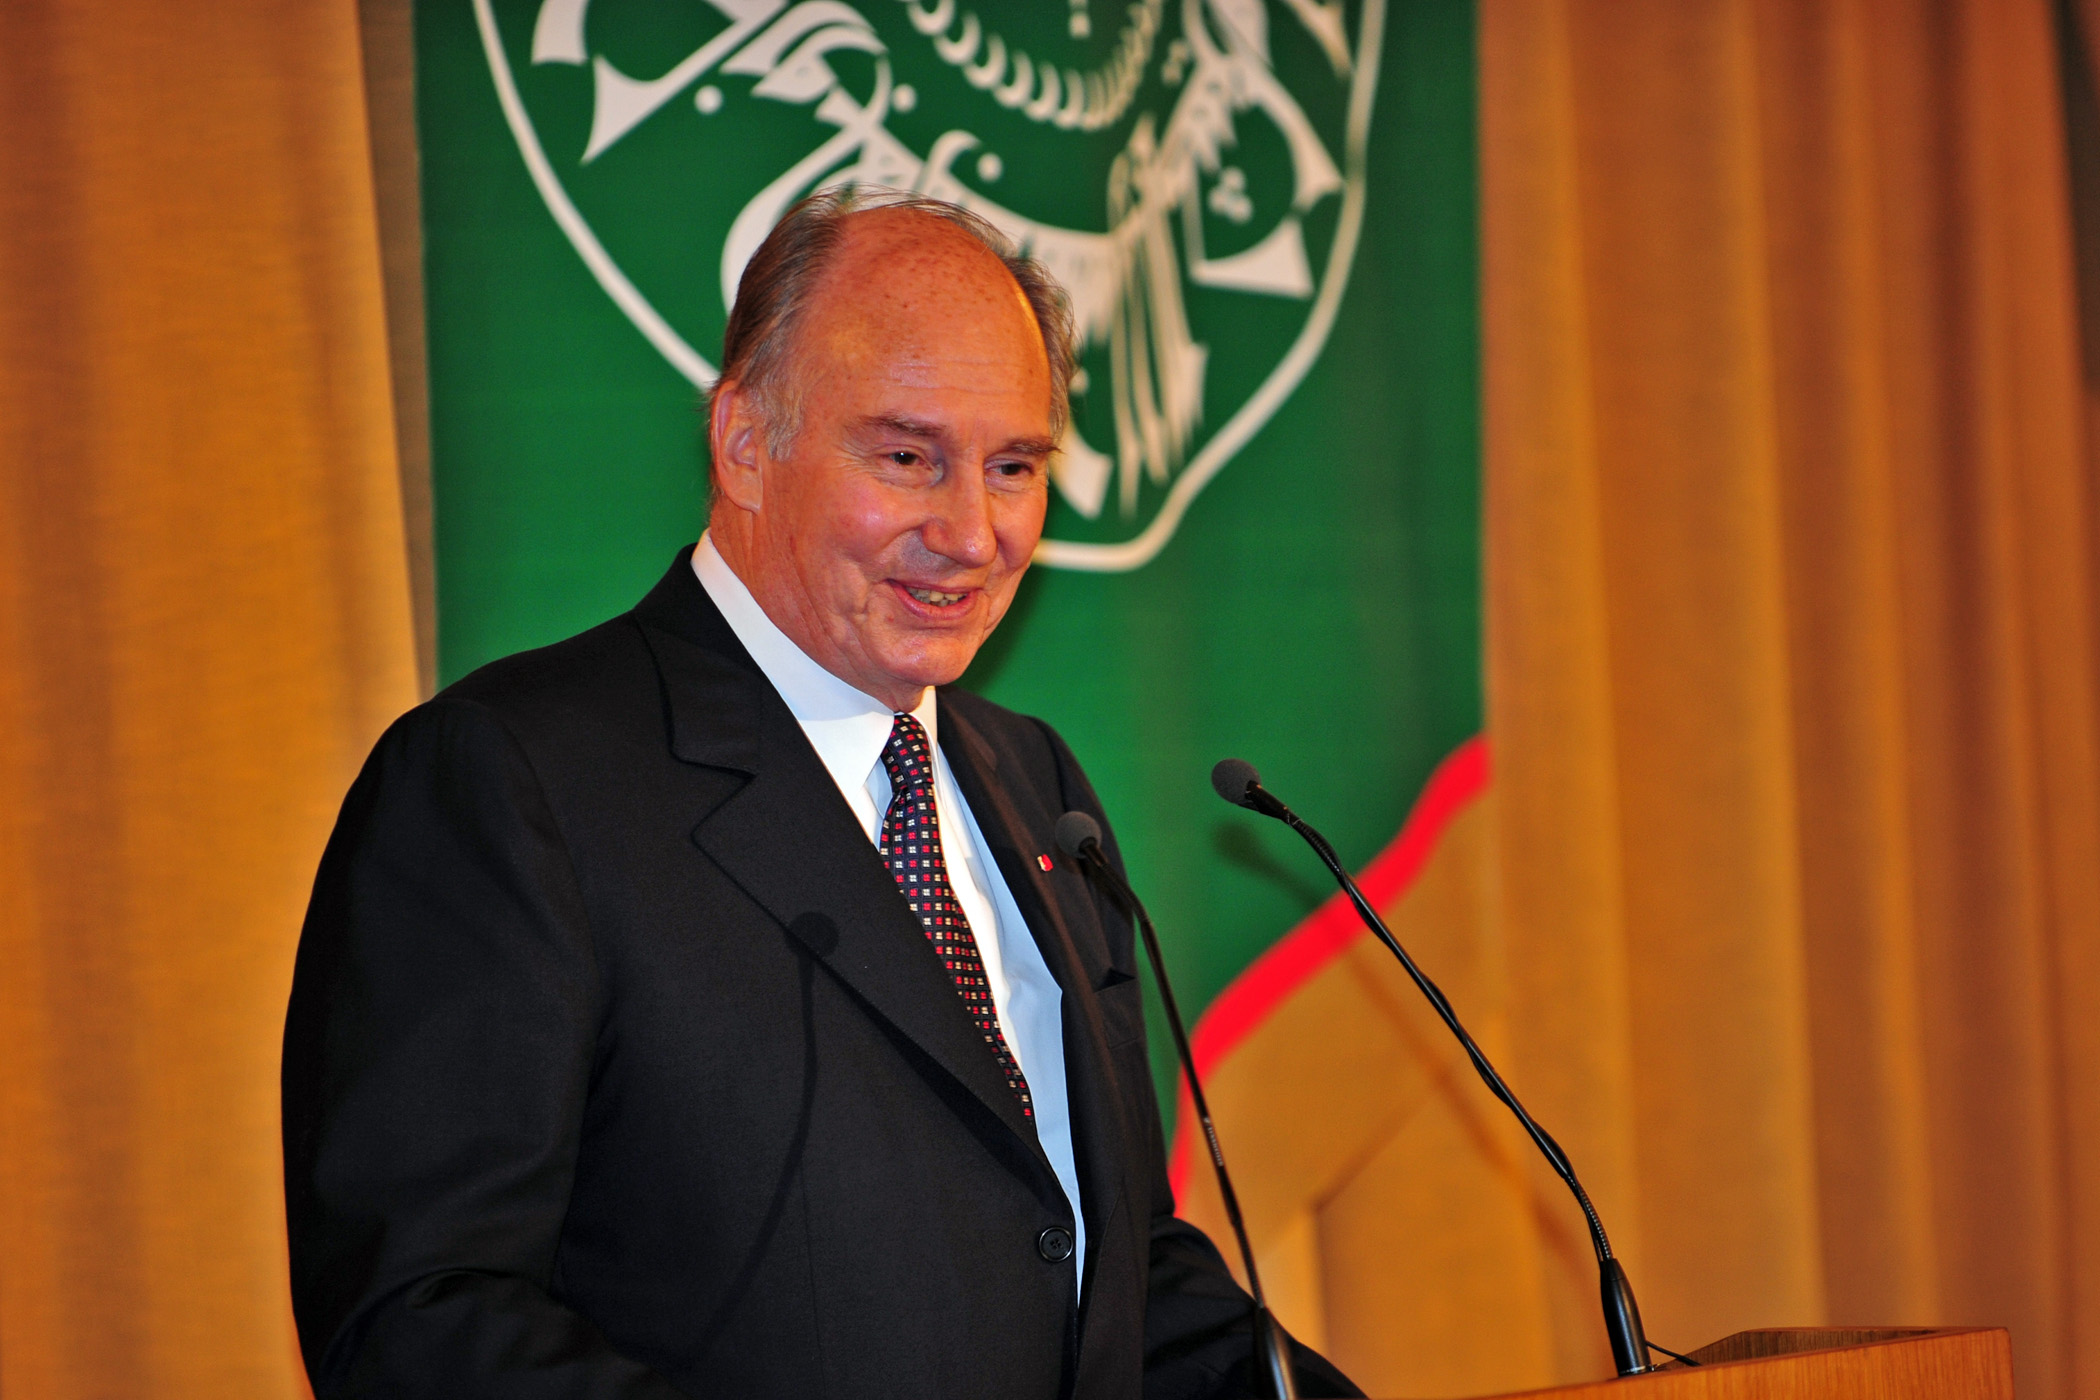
column 849, row 730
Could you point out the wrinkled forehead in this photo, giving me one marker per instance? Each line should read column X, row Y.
column 905, row 285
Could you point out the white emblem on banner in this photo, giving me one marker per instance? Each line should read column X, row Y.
column 1128, row 281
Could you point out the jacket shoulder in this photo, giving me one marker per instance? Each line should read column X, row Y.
column 1046, row 761
column 569, row 671
column 1010, row 732
column 570, row 698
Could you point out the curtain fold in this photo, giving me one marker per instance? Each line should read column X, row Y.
column 1783, row 913
column 1782, row 316
column 1784, row 910
column 204, row 622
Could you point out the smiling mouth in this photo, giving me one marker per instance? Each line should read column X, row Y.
column 934, row 597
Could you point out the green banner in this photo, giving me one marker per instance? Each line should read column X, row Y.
column 1264, row 535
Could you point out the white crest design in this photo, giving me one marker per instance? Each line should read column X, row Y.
column 1127, row 281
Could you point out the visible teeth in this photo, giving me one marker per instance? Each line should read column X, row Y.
column 934, row 596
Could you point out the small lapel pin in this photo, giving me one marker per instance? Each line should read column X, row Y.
column 1044, row 862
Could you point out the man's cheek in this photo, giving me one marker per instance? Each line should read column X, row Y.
column 1021, row 525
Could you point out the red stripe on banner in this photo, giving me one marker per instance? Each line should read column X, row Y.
column 1327, row 932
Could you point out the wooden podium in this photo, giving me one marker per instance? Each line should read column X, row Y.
column 1827, row 1363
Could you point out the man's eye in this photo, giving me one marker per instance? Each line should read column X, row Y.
column 904, row 458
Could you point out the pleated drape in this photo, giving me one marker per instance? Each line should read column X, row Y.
column 204, row 621
column 1783, row 338
column 1784, row 909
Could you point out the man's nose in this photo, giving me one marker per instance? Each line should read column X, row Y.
column 961, row 526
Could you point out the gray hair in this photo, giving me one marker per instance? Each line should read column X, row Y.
column 773, row 296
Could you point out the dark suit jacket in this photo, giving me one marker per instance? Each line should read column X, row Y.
column 616, row 1066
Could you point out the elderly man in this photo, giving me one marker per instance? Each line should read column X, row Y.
column 697, row 1007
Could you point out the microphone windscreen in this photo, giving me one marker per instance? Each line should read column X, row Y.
column 1074, row 830
column 1233, row 777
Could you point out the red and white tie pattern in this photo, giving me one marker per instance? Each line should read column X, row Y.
column 911, row 848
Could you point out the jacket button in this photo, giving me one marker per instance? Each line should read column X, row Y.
column 1054, row 1244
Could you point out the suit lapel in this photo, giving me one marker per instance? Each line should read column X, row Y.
column 1060, row 914
column 790, row 842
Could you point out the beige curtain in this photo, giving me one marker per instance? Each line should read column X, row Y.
column 204, row 621
column 1785, row 910
column 1784, row 389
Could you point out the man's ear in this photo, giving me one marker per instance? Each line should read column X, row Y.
column 733, row 444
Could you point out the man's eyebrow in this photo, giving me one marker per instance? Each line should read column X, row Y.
column 898, row 423
column 919, row 428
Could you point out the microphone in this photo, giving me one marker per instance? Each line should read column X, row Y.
column 1079, row 836
column 1238, row 783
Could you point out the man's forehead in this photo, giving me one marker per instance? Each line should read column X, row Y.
column 921, row 312
column 894, row 356
column 892, row 262
column 885, row 234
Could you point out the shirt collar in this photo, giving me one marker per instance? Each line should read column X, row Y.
column 846, row 726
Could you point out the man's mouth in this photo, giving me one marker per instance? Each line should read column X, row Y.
column 934, row 597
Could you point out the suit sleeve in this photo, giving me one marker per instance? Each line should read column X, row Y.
column 1199, row 1323
column 438, row 1047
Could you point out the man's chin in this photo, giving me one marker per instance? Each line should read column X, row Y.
column 923, row 667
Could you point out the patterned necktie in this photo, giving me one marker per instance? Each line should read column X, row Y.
column 911, row 848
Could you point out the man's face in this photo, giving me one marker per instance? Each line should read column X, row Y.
column 888, row 539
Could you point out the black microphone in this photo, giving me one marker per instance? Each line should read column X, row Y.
column 1238, row 783
column 1079, row 836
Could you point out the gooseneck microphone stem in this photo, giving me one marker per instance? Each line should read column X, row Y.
column 1079, row 836
column 1238, row 783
